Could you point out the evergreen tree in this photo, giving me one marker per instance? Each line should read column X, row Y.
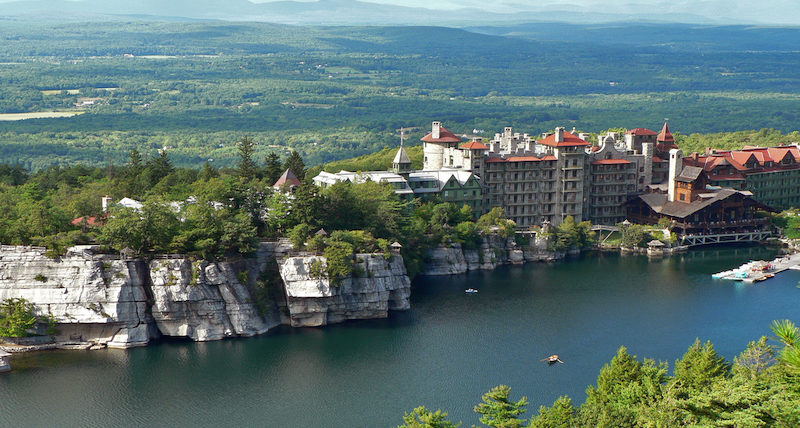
column 295, row 164
column 273, row 168
column 208, row 172
column 700, row 366
column 498, row 412
column 561, row 415
column 247, row 165
column 421, row 417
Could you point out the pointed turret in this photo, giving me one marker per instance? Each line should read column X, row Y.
column 401, row 163
column 665, row 136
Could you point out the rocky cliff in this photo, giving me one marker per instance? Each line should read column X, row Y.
column 93, row 299
column 382, row 285
column 102, row 300
column 494, row 250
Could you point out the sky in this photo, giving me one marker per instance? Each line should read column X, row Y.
column 783, row 12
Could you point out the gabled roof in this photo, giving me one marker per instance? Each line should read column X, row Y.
column 658, row 202
column 665, row 136
column 401, row 157
column 689, row 174
column 445, row 136
column 474, row 145
column 287, row 179
column 741, row 157
column 570, row 140
column 641, row 131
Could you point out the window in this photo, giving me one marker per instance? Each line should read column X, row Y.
column 683, row 196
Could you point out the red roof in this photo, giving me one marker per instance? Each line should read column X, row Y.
column 445, row 136
column 665, row 136
column 610, row 162
column 569, row 140
column 657, row 159
column 524, row 159
column 287, row 179
column 549, row 158
column 595, row 148
column 474, row 145
column 90, row 221
column 493, row 160
column 641, row 131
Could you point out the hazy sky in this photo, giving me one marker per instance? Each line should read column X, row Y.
column 761, row 11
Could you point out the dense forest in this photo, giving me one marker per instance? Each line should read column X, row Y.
column 335, row 92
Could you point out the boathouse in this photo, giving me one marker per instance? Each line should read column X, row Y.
column 700, row 214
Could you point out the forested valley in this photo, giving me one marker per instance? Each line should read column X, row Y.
column 196, row 88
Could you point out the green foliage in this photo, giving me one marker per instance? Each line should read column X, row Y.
column 700, row 366
column 318, row 269
column 421, row 417
column 243, row 277
column 705, row 391
column 789, row 335
column 634, row 235
column 497, row 411
column 17, row 317
column 570, row 235
column 41, row 278
column 496, row 221
column 561, row 415
column 339, row 256
column 295, row 164
column 468, row 234
column 299, row 234
column 247, row 165
column 623, row 387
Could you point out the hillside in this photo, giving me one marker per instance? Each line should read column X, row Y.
column 337, row 92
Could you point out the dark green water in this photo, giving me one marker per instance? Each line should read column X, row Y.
column 444, row 353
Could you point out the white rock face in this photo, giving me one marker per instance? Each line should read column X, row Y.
column 106, row 298
column 109, row 302
column 313, row 302
column 202, row 301
column 451, row 259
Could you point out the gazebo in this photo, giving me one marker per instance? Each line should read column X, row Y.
column 655, row 248
column 395, row 246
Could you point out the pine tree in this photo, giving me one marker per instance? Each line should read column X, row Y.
column 295, row 164
column 496, row 411
column 247, row 166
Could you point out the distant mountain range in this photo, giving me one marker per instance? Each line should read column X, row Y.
column 339, row 12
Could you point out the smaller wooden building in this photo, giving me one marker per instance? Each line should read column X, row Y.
column 700, row 214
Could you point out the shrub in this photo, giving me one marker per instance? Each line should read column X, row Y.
column 41, row 278
column 16, row 318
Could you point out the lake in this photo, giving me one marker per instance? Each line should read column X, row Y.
column 445, row 352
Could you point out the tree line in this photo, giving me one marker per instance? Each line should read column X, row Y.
column 759, row 388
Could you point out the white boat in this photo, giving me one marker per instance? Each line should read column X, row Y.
column 470, row 291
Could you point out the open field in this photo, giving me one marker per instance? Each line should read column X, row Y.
column 38, row 115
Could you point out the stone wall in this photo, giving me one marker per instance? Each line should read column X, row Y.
column 383, row 285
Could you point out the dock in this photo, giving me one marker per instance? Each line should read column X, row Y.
column 759, row 270
column 5, row 365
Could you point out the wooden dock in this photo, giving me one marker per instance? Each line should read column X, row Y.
column 759, row 270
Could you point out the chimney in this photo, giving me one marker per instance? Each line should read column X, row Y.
column 560, row 134
column 507, row 131
column 675, row 167
column 106, row 200
column 435, row 127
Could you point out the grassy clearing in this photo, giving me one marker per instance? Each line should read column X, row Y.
column 6, row 117
column 59, row 91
